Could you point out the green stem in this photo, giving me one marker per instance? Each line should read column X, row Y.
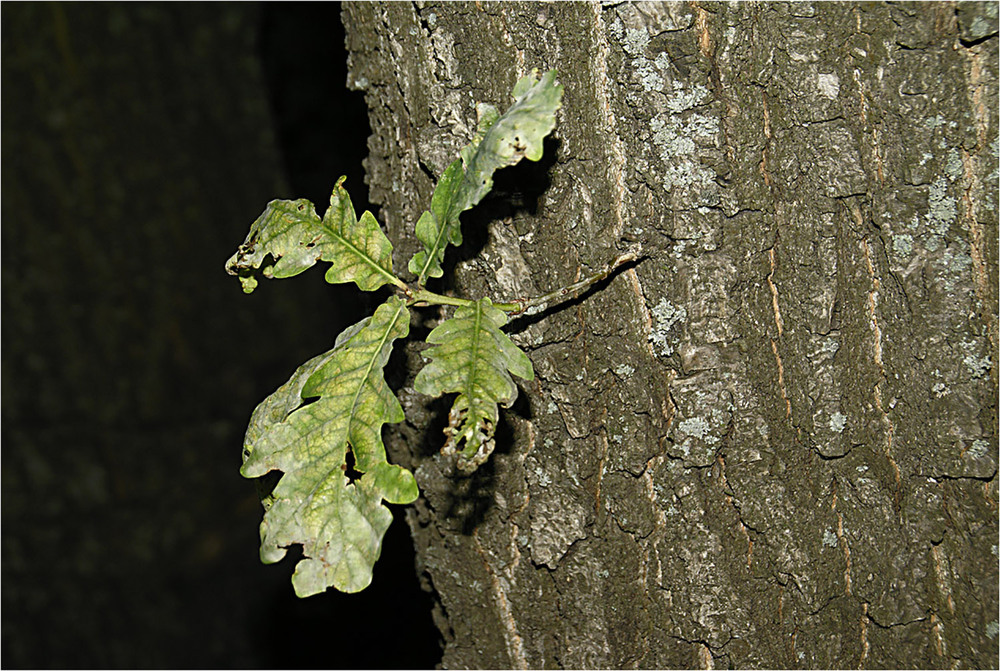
column 400, row 284
column 421, row 297
column 535, row 305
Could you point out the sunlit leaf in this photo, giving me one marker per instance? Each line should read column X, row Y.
column 339, row 523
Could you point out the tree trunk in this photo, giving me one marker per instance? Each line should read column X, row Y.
column 771, row 443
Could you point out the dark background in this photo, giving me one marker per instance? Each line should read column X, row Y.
column 139, row 143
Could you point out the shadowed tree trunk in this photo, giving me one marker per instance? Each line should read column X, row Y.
column 772, row 443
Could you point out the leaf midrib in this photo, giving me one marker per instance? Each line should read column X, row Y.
column 339, row 237
column 354, row 404
column 371, row 363
column 471, row 381
column 442, row 232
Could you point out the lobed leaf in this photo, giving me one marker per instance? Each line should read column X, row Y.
column 293, row 235
column 474, row 358
column 500, row 141
column 339, row 523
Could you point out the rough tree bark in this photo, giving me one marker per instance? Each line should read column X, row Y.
column 773, row 442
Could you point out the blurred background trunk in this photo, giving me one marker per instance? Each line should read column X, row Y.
column 140, row 141
column 773, row 443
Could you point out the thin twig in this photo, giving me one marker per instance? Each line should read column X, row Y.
column 532, row 306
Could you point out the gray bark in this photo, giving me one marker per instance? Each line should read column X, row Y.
column 773, row 442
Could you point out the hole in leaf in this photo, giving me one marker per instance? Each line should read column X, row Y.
column 348, row 468
column 266, row 484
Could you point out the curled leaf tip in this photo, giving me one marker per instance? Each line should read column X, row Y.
column 501, row 140
column 292, row 234
column 473, row 357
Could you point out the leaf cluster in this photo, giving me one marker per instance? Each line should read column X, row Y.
column 322, row 429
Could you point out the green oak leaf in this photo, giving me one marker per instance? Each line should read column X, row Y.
column 339, row 523
column 500, row 141
column 293, row 235
column 473, row 357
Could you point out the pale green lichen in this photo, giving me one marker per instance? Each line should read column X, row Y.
column 992, row 629
column 931, row 229
column 953, row 165
column 979, row 448
column 624, row 370
column 684, row 99
column 649, row 75
column 942, row 211
column 981, row 26
column 694, row 426
column 829, row 538
column 676, row 136
column 673, row 137
column 666, row 315
column 902, row 245
column 635, row 41
column 837, row 422
column 953, row 267
column 937, row 121
column 978, row 366
column 956, row 259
